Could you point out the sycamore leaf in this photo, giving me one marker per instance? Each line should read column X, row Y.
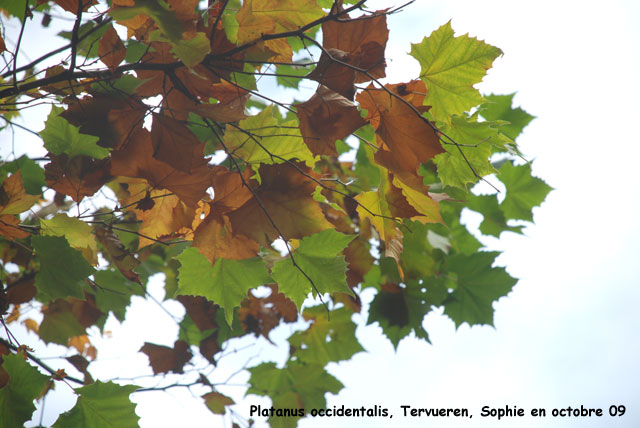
column 400, row 311
column 13, row 197
column 78, row 177
column 478, row 285
column 10, row 227
column 158, row 10
column 524, row 191
column 114, row 292
column 77, row 232
column 325, row 118
column 319, row 256
column 295, row 386
column 258, row 17
column 259, row 138
column 476, row 141
column 225, row 283
column 31, row 173
column 64, row 319
column 498, row 107
column 174, row 144
column 287, row 196
column 136, row 160
column 118, row 254
column 364, row 37
column 406, row 138
column 25, row 385
column 217, row 402
column 164, row 359
column 60, row 137
column 450, row 66
column 101, row 405
column 494, row 222
column 62, row 269
column 326, row 340
column 111, row 49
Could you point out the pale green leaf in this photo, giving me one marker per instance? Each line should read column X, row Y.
column 226, row 283
column 60, row 137
column 450, row 66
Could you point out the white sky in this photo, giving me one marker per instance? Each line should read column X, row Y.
column 565, row 335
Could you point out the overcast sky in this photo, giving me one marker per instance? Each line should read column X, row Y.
column 568, row 333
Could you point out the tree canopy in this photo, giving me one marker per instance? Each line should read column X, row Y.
column 164, row 152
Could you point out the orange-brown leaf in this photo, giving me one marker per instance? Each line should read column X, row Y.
column 215, row 239
column 111, row 49
column 174, row 144
column 77, row 177
column 332, row 73
column 285, row 195
column 365, row 38
column 136, row 160
column 9, row 227
column 13, row 197
column 123, row 259
column 164, row 359
column 406, row 139
column 325, row 118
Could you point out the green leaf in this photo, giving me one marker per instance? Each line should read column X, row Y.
column 88, row 38
column 229, row 21
column 285, row 71
column 320, row 257
column 226, row 283
column 60, row 137
column 217, row 402
column 114, row 292
column 101, row 405
column 122, row 87
column 478, row 285
column 26, row 384
column 326, row 340
column 78, row 234
column 31, row 173
column 524, row 191
column 417, row 254
column 450, row 66
column 401, row 312
column 498, row 107
column 59, row 323
column 494, row 222
column 62, row 269
column 258, row 137
column 158, row 10
column 476, row 140
column 307, row 382
column 191, row 52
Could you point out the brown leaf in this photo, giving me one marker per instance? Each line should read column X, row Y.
column 72, row 5
column 123, row 259
column 365, row 38
column 215, row 239
column 325, row 118
column 22, row 289
column 164, row 359
column 82, row 365
column 217, row 402
column 111, row 49
column 78, row 177
column 174, row 144
column 13, row 197
column 406, row 139
column 9, row 227
column 260, row 315
column 112, row 120
column 286, row 197
column 201, row 311
column 331, row 73
column 136, row 160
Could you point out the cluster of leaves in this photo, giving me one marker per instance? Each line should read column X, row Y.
column 362, row 185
